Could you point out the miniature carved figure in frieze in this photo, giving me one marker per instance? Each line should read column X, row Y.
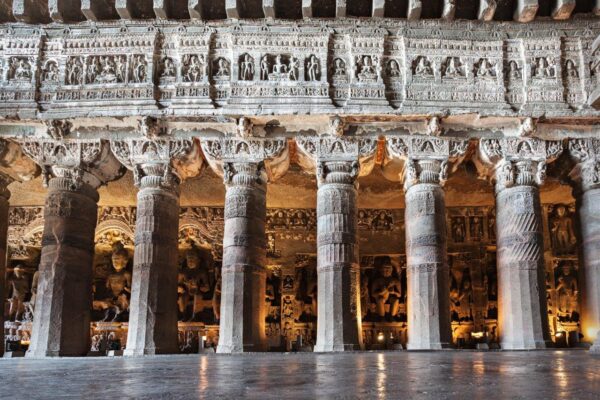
column 306, row 291
column 246, row 67
column 138, row 68
column 476, row 228
column 368, row 68
column 50, row 72
column 458, row 229
column 279, row 67
column 422, row 67
column 74, row 71
column 293, row 68
column 19, row 69
column 313, row 69
column 453, row 68
column 193, row 68
column 118, row 284
column 386, row 290
column 563, row 235
column 19, row 290
column 571, row 69
column 194, row 285
column 567, row 289
column 338, row 70
column 264, row 68
column 221, row 69
column 383, row 221
column 485, row 69
column 514, row 71
column 393, row 69
column 167, row 68
column 542, row 68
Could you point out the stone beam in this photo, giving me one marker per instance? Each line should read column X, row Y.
column 378, row 8
column 31, row 11
column 340, row 8
column 562, row 9
column 96, row 10
column 162, row 8
column 232, row 9
column 526, row 10
column 414, row 10
column 124, row 8
column 268, row 7
column 487, row 9
column 65, row 10
column 449, row 10
column 307, row 11
column 195, row 9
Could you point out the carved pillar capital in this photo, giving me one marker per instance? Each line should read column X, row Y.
column 586, row 154
column 159, row 162
column 516, row 161
column 246, row 160
column 337, row 159
column 425, row 159
column 73, row 163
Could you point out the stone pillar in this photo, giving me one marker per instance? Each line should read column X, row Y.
column 243, row 275
column 338, row 161
column 246, row 163
column 5, row 180
column 339, row 325
column 586, row 176
column 72, row 172
column 428, row 288
column 159, row 165
column 425, row 165
column 153, row 307
column 519, row 167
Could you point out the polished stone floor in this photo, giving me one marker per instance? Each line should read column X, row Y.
column 461, row 375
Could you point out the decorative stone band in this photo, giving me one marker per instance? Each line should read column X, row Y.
column 516, row 161
column 244, row 161
column 427, row 268
column 244, row 268
column 76, row 162
column 426, row 159
column 159, row 162
column 586, row 153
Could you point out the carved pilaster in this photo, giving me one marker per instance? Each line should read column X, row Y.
column 586, row 177
column 73, row 170
column 246, row 165
column 338, row 161
column 518, row 167
column 427, row 162
column 159, row 165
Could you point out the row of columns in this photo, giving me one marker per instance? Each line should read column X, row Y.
column 74, row 169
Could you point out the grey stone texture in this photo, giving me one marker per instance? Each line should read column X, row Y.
column 5, row 180
column 243, row 275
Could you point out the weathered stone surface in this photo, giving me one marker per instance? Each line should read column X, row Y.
column 4, row 197
column 519, row 166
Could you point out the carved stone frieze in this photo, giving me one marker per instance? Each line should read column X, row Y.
column 516, row 161
column 426, row 159
column 586, row 153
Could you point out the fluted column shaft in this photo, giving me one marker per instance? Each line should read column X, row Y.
column 153, row 309
column 523, row 318
column 4, row 197
column 338, row 272
column 62, row 312
column 243, row 275
column 588, row 204
column 427, row 268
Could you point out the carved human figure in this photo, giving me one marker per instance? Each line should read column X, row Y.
column 382, row 221
column 222, row 68
column 567, row 289
column 21, row 69
column 307, row 286
column 393, row 69
column 485, row 69
column 118, row 283
column 139, row 68
column 195, row 282
column 458, row 230
column 168, row 68
column 50, row 72
column 476, row 228
column 193, row 69
column 19, row 288
column 279, row 67
column 453, row 68
column 365, row 295
column 423, row 67
column 563, row 235
column 571, row 69
column 542, row 69
column 313, row 68
column 264, row 68
column 339, row 68
column 293, row 68
column 366, row 66
column 216, row 299
column 386, row 289
column 514, row 72
column 247, row 68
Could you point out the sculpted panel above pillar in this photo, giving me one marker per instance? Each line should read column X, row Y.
column 586, row 153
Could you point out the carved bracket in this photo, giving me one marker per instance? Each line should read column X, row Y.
column 586, row 153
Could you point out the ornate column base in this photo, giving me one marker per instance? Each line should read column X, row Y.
column 428, row 300
column 521, row 296
column 62, row 312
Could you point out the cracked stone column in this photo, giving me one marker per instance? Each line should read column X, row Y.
column 586, row 176
column 159, row 166
column 426, row 164
column 73, row 170
column 246, row 164
column 518, row 166
column 338, row 164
